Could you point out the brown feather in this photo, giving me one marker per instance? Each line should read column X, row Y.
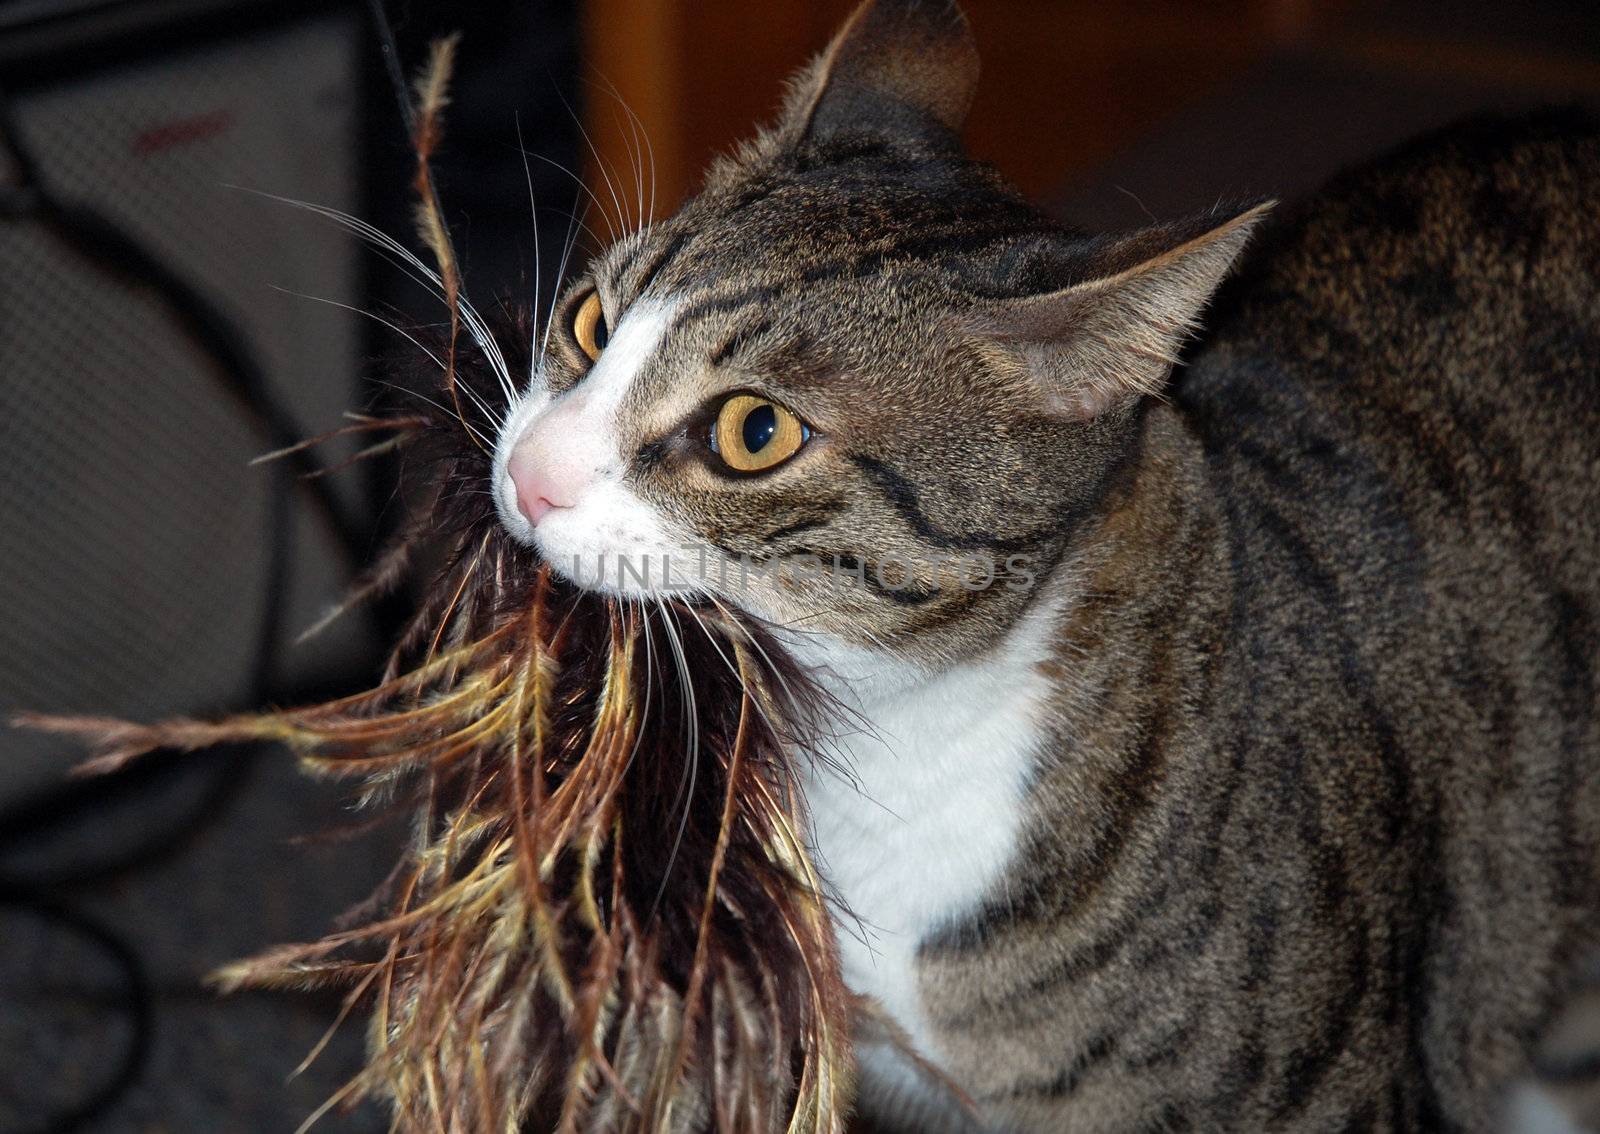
column 562, row 946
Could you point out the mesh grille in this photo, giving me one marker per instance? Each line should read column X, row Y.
column 132, row 533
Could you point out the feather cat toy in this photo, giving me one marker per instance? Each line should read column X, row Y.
column 607, row 918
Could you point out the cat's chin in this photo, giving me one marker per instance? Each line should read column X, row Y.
column 625, row 575
column 609, row 543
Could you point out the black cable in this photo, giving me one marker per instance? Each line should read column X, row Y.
column 138, row 1003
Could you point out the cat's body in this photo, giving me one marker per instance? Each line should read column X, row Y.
column 1313, row 825
column 1260, row 787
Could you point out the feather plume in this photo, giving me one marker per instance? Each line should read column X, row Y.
column 561, row 941
column 606, row 919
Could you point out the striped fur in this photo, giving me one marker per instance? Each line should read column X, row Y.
column 1307, row 825
column 1317, row 844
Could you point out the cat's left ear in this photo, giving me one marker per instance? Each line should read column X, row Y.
column 1107, row 342
column 896, row 69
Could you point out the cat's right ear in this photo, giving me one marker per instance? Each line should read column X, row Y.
column 1113, row 339
column 896, row 69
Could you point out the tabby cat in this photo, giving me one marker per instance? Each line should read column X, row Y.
column 1221, row 748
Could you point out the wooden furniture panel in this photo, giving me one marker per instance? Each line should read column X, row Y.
column 1066, row 82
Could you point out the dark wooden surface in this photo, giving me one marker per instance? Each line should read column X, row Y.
column 1066, row 83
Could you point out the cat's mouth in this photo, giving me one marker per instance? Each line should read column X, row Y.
column 639, row 573
column 603, row 538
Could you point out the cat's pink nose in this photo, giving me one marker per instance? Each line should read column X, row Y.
column 545, row 470
column 535, row 506
column 537, row 490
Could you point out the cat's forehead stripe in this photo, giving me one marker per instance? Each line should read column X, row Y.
column 926, row 248
column 662, row 258
column 742, row 336
column 721, row 304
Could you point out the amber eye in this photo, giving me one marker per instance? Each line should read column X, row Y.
column 589, row 326
column 752, row 434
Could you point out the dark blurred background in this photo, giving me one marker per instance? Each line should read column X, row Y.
column 163, row 318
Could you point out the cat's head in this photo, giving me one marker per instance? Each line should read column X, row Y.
column 857, row 385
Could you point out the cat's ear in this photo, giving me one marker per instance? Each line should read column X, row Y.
column 1113, row 339
column 898, row 68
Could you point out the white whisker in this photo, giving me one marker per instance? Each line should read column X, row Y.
column 605, row 173
column 561, row 273
column 476, row 327
column 397, row 329
column 692, row 736
column 637, row 605
column 583, row 188
column 648, row 148
column 533, row 216
column 446, row 410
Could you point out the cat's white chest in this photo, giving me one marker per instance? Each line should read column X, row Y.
column 926, row 830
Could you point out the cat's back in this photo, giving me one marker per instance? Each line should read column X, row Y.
column 1399, row 401
column 1425, row 335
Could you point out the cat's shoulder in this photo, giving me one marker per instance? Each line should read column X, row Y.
column 1488, row 173
column 1520, row 141
column 1493, row 182
column 1484, row 199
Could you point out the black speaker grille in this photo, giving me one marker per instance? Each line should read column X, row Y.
column 133, row 534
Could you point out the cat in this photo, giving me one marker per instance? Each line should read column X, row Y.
column 1222, row 748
